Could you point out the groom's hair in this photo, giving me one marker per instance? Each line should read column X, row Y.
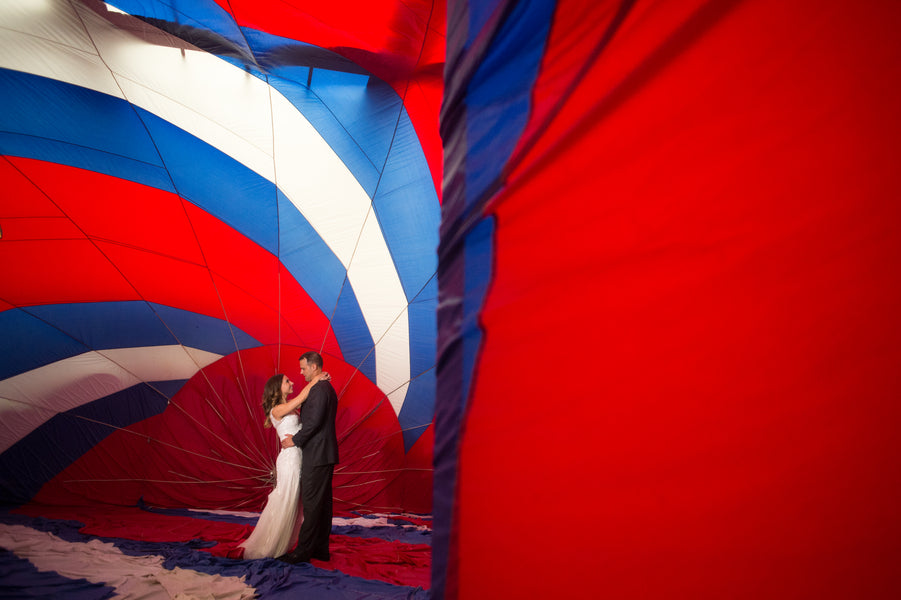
column 313, row 358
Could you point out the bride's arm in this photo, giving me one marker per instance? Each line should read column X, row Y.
column 281, row 410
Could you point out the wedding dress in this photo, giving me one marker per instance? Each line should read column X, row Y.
column 279, row 523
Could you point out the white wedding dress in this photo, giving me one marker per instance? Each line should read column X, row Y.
column 279, row 523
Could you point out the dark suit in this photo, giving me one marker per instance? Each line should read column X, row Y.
column 319, row 443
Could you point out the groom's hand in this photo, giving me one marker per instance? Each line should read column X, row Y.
column 287, row 441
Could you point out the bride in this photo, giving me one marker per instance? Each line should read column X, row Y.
column 280, row 520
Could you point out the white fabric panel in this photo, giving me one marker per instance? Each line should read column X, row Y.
column 47, row 38
column 196, row 91
column 49, row 20
column 29, row 399
column 229, row 109
column 142, row 576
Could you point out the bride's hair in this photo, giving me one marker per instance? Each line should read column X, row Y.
column 272, row 395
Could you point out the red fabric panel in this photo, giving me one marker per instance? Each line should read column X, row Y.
column 60, row 271
column 166, row 280
column 144, row 244
column 697, row 267
column 116, row 210
column 39, row 228
column 417, row 477
column 370, row 446
column 21, row 198
column 401, row 43
column 209, row 448
column 252, row 283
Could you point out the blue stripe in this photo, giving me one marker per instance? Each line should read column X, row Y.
column 66, row 124
column 499, row 95
column 419, row 408
column 351, row 329
column 54, row 110
column 409, row 214
column 28, row 343
column 106, row 325
column 478, row 256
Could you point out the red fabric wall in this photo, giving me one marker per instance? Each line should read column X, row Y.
column 689, row 383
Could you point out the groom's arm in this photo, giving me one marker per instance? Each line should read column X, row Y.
column 314, row 415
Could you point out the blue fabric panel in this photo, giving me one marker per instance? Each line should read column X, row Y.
column 366, row 106
column 355, row 113
column 67, row 124
column 204, row 332
column 65, row 330
column 45, row 108
column 419, row 406
column 21, row 579
column 408, row 211
column 478, row 253
column 314, row 110
column 70, row 437
column 44, row 343
column 105, row 325
column 217, row 183
column 353, row 333
column 499, row 94
column 423, row 321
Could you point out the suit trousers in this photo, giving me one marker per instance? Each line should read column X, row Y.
column 316, row 491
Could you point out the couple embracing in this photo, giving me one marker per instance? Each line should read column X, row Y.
column 304, row 467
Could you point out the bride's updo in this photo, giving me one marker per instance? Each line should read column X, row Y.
column 272, row 395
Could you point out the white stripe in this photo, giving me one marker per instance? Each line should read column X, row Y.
column 141, row 576
column 30, row 399
column 230, row 110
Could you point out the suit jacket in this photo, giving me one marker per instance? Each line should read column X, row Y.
column 317, row 437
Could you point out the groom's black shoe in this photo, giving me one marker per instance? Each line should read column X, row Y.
column 294, row 557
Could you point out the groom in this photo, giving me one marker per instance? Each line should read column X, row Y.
column 319, row 443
